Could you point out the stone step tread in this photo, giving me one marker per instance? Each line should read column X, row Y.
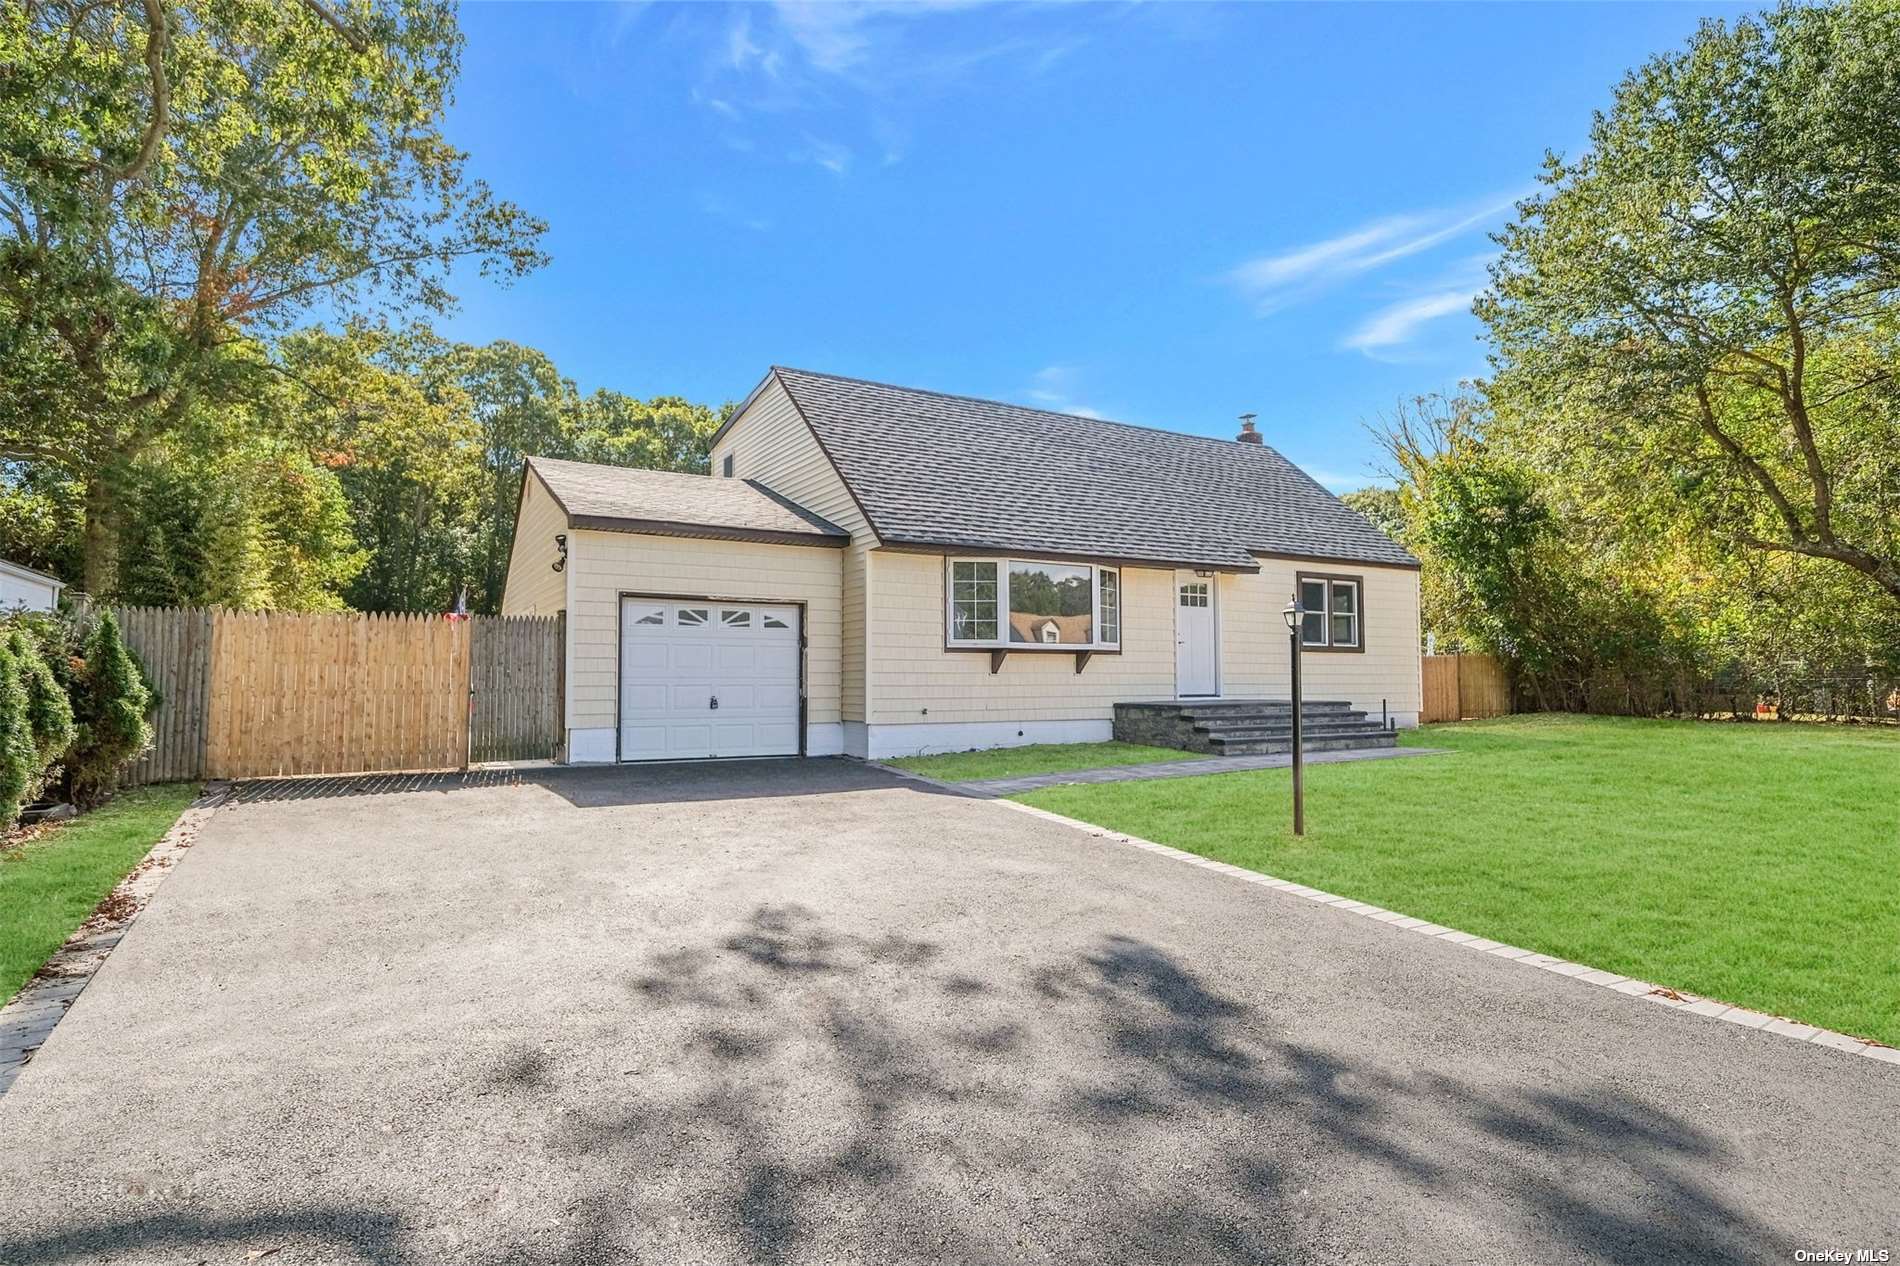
column 1257, row 705
column 1213, row 725
column 1262, row 748
column 1286, row 732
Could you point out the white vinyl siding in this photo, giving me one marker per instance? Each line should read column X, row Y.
column 1254, row 641
column 780, row 452
column 533, row 586
column 920, row 682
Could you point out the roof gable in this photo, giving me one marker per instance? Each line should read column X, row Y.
column 957, row 472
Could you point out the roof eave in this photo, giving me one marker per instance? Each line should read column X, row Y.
column 1346, row 560
column 704, row 531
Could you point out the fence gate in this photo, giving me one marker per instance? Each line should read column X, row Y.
column 336, row 694
column 175, row 647
column 515, row 680
column 1464, row 686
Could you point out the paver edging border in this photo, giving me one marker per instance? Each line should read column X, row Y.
column 1200, row 767
column 1690, row 1004
column 33, row 1013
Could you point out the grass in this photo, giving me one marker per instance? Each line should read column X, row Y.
column 1042, row 758
column 50, row 883
column 1754, row 863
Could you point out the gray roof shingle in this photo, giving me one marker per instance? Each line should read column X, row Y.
column 952, row 471
column 668, row 504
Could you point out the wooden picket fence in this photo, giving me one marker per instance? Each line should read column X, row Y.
column 1465, row 687
column 276, row 694
column 175, row 647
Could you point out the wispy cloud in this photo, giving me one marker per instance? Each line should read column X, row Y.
column 1404, row 321
column 830, row 155
column 871, row 61
column 743, row 52
column 1053, row 387
column 1398, row 324
column 1273, row 281
column 722, row 208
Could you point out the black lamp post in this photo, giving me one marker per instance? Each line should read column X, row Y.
column 1295, row 614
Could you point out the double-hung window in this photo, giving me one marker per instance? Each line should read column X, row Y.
column 1332, row 613
column 1017, row 603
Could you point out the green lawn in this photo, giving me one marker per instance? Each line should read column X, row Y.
column 1755, row 863
column 1043, row 758
column 49, row 885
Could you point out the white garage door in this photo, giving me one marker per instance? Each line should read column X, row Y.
column 707, row 679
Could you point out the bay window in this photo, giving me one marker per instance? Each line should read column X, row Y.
column 1019, row 603
column 1332, row 613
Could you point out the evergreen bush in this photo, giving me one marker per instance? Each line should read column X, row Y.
column 49, row 712
column 110, row 704
column 18, row 757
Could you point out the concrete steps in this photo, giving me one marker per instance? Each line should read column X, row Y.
column 1249, row 727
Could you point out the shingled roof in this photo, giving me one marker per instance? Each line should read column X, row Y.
column 960, row 473
column 661, row 503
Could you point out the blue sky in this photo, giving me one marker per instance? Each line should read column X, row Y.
column 1162, row 213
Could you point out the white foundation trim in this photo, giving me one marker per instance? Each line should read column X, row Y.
column 598, row 746
column 885, row 741
column 601, row 746
column 857, row 740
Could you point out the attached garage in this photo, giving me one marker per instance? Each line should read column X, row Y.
column 703, row 679
column 703, row 615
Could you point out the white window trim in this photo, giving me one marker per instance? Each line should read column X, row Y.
column 1002, row 642
column 1327, row 581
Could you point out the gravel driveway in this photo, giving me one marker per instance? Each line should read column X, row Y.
column 799, row 1012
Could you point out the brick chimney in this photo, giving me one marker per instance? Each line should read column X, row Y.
column 1247, row 434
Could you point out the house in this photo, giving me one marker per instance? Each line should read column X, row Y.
column 879, row 571
column 23, row 589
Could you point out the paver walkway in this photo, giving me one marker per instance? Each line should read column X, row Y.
column 997, row 788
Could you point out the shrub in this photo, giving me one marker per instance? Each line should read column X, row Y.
column 19, row 759
column 49, row 712
column 110, row 704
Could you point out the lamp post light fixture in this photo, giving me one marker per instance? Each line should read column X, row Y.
column 1295, row 615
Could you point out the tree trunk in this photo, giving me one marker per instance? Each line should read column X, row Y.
column 101, row 543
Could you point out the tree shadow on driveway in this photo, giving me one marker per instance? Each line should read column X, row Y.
column 842, row 1097
column 811, row 1093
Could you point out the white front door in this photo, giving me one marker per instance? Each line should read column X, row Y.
column 704, row 679
column 1195, row 655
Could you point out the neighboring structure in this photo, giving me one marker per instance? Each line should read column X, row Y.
column 22, row 588
column 880, row 571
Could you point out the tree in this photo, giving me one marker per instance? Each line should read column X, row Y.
column 385, row 412
column 1381, row 507
column 523, row 407
column 664, row 433
column 181, row 177
column 1698, row 321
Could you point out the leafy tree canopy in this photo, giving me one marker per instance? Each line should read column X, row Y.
column 1696, row 323
column 182, row 176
